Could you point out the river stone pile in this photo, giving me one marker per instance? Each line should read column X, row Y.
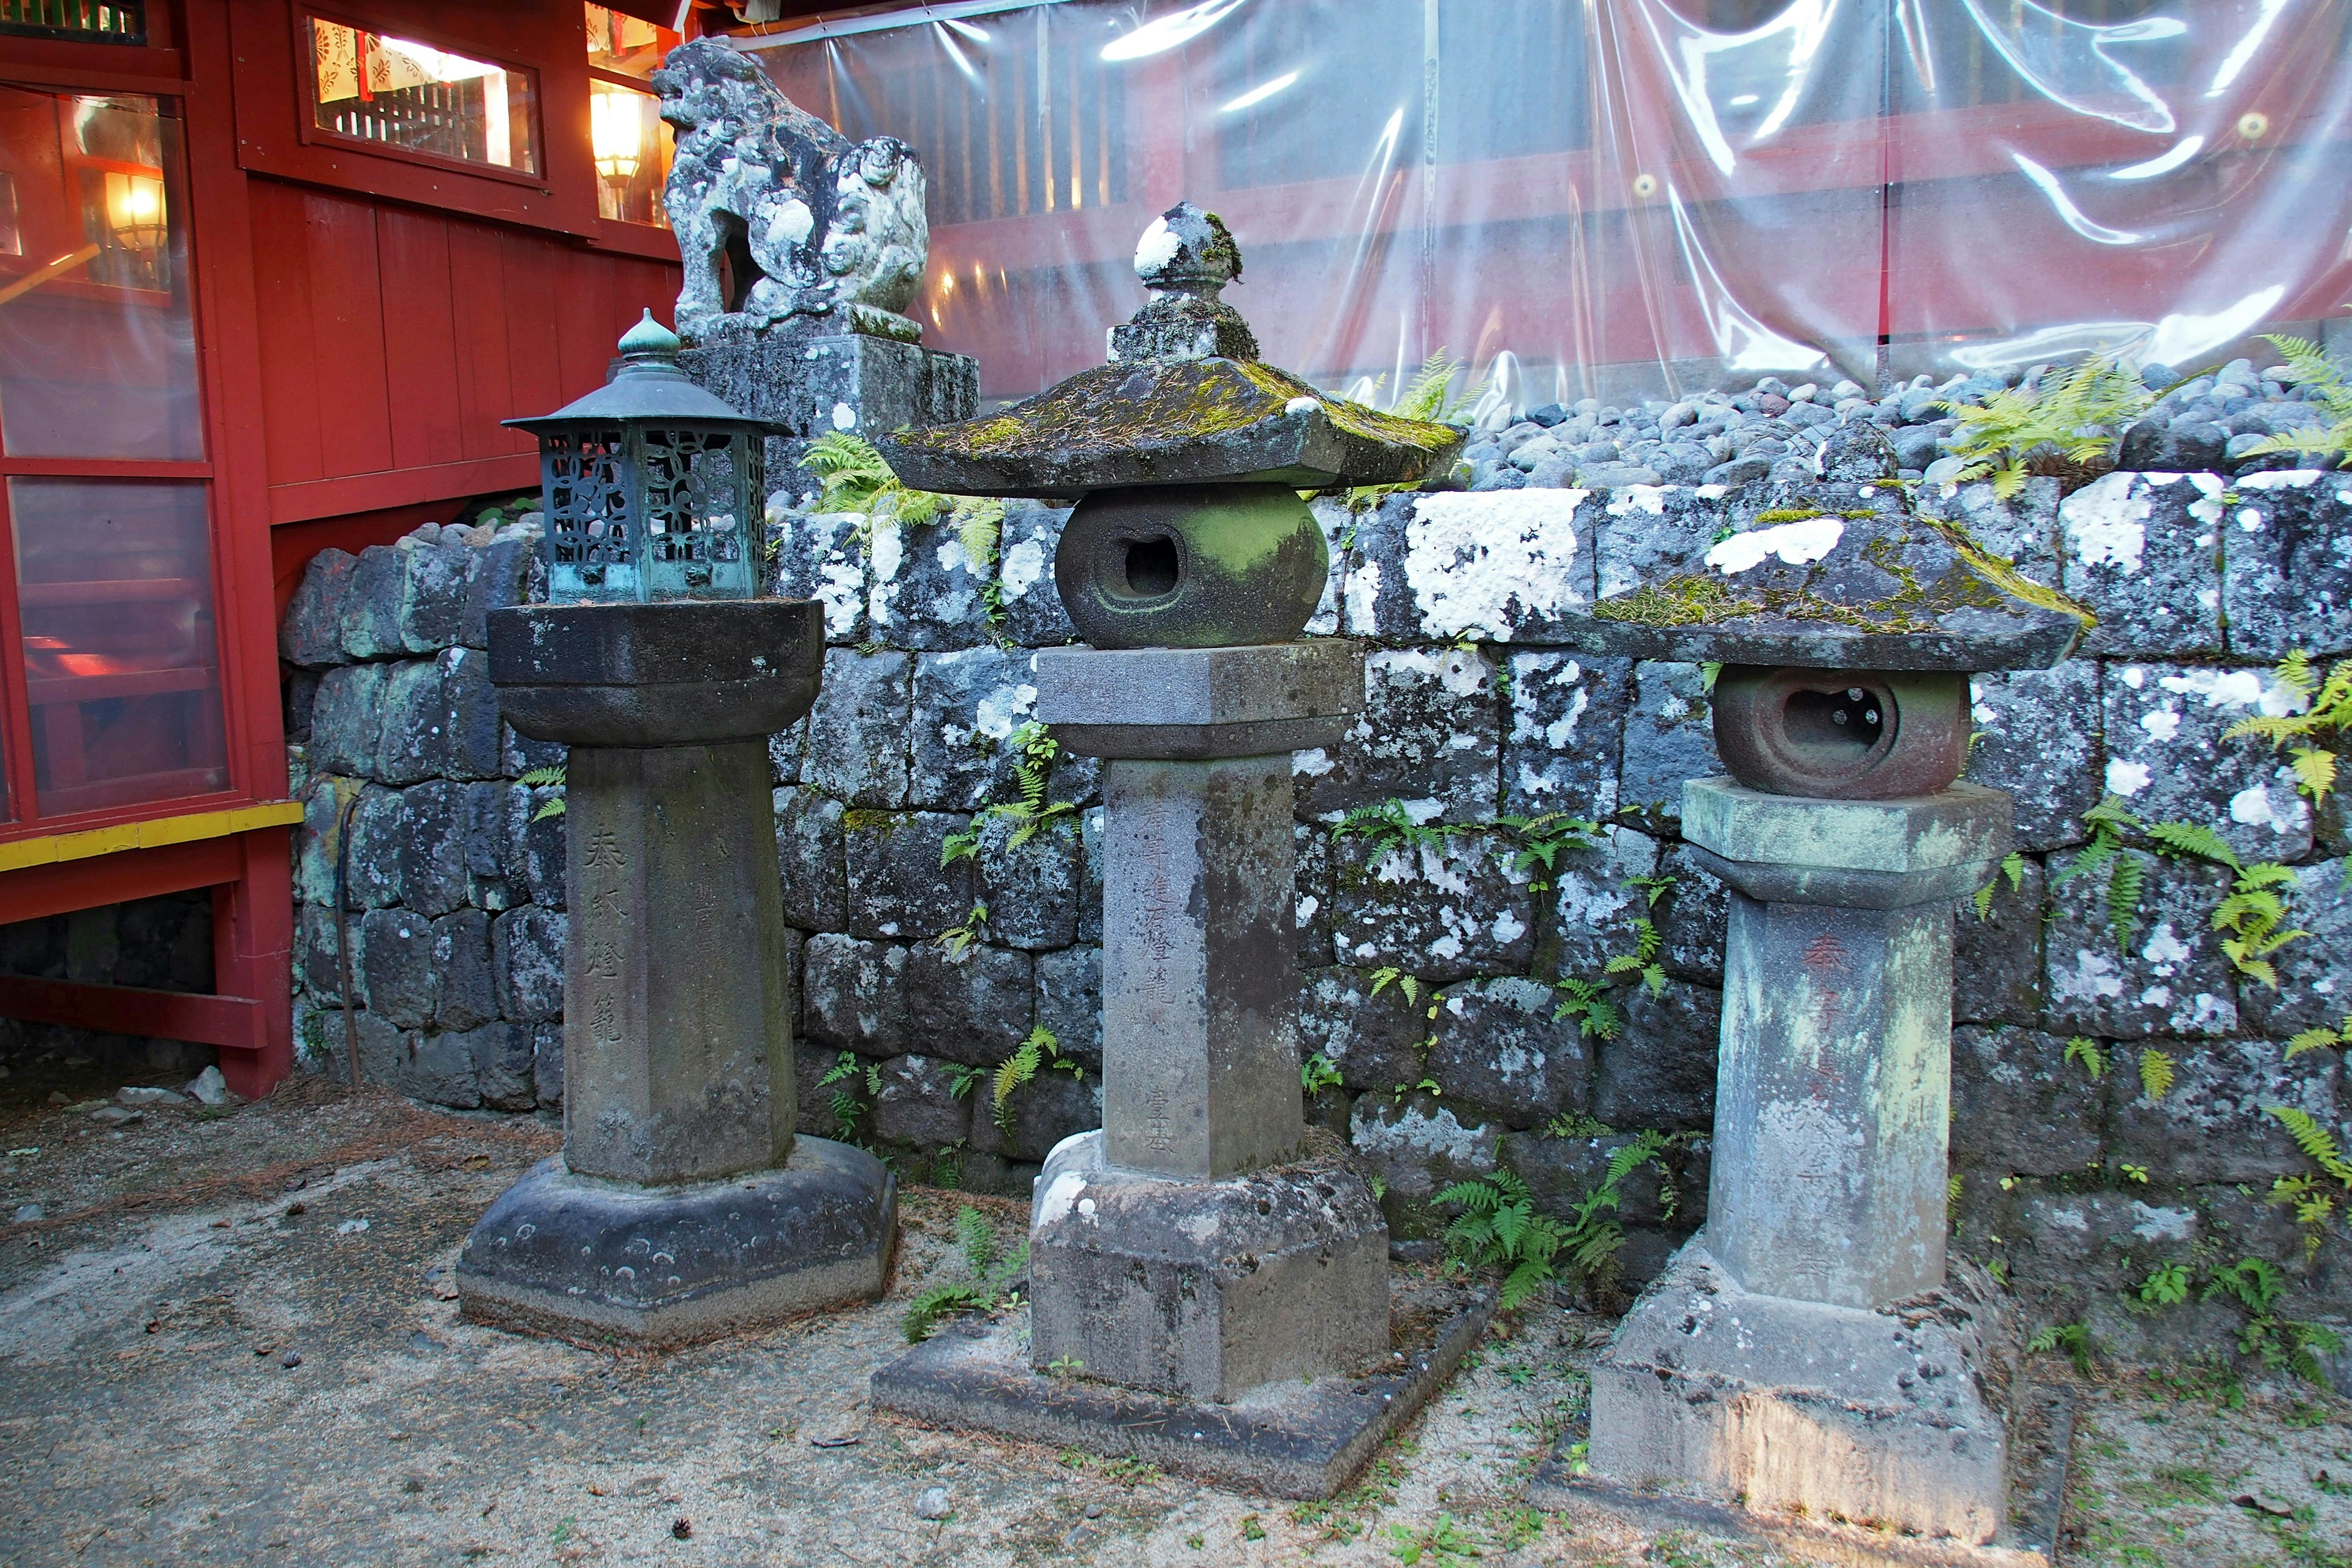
column 1773, row 431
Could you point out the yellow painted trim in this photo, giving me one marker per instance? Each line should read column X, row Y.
column 151, row 835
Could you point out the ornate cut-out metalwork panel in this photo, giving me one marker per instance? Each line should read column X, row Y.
column 697, row 495
column 588, row 495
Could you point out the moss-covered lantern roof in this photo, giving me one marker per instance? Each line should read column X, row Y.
column 1873, row 586
column 1184, row 400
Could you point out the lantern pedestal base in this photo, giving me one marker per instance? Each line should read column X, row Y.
column 1293, row 1439
column 600, row 1262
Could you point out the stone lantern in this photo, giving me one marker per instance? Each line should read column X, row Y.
column 1206, row 1289
column 1811, row 1355
column 682, row 1205
column 651, row 486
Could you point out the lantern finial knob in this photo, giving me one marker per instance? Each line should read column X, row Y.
column 650, row 337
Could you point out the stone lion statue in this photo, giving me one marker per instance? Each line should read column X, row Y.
column 778, row 215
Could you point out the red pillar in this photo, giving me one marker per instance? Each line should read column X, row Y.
column 253, row 955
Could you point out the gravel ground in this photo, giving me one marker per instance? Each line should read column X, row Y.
column 232, row 1339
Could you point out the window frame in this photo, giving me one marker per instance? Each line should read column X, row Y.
column 307, row 128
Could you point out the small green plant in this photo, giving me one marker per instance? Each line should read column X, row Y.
column 2253, row 916
column 2256, row 1285
column 1445, row 1544
column 993, row 1275
column 2065, row 425
column 1317, row 1074
column 1537, row 841
column 1587, row 1003
column 1035, row 751
column 1498, row 1228
column 2013, row 865
column 2084, row 1049
column 2156, row 1074
column 957, row 941
column 2312, row 1201
column 1387, row 976
column 1041, row 1051
column 539, row 778
column 855, row 479
column 1390, row 824
column 847, row 1109
column 1251, row 1527
column 2307, row 365
column 1064, row 1366
column 1576, row 1124
column 2074, row 1339
column 1642, row 961
column 2167, row 1285
column 2326, row 712
column 2125, row 873
column 2320, row 1036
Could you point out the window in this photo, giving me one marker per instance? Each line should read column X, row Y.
column 109, row 666
column 83, row 21
column 396, row 93
column 632, row 144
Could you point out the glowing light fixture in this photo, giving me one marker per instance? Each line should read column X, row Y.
column 134, row 210
column 616, row 131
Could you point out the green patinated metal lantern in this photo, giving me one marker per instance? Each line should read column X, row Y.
column 652, row 487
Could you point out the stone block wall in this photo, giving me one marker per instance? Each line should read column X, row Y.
column 1477, row 713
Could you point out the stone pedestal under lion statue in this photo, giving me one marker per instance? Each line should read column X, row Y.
column 803, row 252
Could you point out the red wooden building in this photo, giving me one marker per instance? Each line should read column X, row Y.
column 271, row 272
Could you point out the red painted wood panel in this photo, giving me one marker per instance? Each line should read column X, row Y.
column 535, row 382
column 479, row 296
column 420, row 335
column 289, row 423
column 347, row 333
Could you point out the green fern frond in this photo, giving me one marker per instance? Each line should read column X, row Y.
column 2155, row 1073
column 2188, row 838
column 2317, row 1142
column 2083, row 1049
column 977, row 1239
column 2123, row 898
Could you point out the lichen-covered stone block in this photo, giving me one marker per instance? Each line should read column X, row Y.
column 1565, row 734
column 1692, row 915
column 505, row 1076
column 1657, row 1072
column 501, row 576
column 2287, row 565
column 487, row 822
column 1497, row 566
column 370, row 628
column 1069, row 1003
column 527, row 963
column 1050, row 1107
column 809, row 856
column 1090, row 853
column 2315, row 971
column 1669, row 738
column 396, row 973
column 375, row 858
column 519, row 754
column 347, row 721
column 919, row 1105
column 1430, row 730
column 1500, row 1052
column 881, row 999
column 1311, row 906
column 431, row 612
column 1336, row 519
column 440, row 1069
column 1997, row 965
column 897, row 890
column 1373, row 1039
column 547, row 1065
column 2167, row 976
column 467, row 996
column 922, row 589
column 1031, row 890
column 857, row 729
column 2019, row 1107
column 2142, row 555
column 1652, row 534
column 413, row 742
column 2167, row 760
column 318, row 953
column 821, row 555
column 1375, row 598
column 1418, row 1147
column 315, row 841
column 535, row 846
column 967, row 704
column 476, row 736
column 1561, row 1173
column 2037, row 736
column 311, row 634
column 2213, row 1124
column 1033, row 617
column 1595, row 904
column 1442, row 910
column 433, row 877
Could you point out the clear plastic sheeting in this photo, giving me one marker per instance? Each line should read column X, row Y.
column 1625, row 197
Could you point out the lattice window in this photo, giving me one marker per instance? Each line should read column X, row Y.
column 84, row 21
column 587, row 484
column 693, row 494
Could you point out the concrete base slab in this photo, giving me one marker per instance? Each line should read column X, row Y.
column 1291, row 1439
column 601, row 1262
column 2040, row 1437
